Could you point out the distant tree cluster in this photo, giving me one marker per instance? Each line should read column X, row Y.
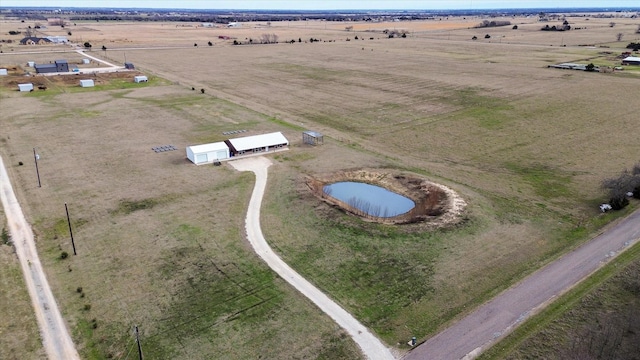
column 565, row 27
column 634, row 46
column 493, row 23
column 618, row 187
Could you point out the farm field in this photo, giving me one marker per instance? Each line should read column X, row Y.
column 161, row 241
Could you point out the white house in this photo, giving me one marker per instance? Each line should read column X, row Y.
column 207, row 153
column 257, row 143
column 25, row 87
column 140, row 78
column 87, row 83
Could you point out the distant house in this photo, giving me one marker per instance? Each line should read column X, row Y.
column 32, row 40
column 631, row 60
column 207, row 25
column 129, row 66
column 234, row 25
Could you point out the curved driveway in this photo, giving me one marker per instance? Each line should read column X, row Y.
column 371, row 346
column 55, row 336
column 475, row 333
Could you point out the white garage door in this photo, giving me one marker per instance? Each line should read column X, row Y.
column 200, row 158
column 221, row 154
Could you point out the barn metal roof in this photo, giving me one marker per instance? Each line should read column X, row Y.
column 258, row 141
column 217, row 146
column 631, row 58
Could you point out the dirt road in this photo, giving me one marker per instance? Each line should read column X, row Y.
column 55, row 336
column 371, row 346
column 467, row 338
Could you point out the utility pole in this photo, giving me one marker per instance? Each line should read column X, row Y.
column 70, row 231
column 35, row 158
column 138, row 341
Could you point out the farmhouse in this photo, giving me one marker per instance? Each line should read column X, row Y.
column 25, row 87
column 631, row 60
column 32, row 40
column 207, row 153
column 256, row 143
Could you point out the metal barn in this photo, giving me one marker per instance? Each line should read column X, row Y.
column 207, row 153
column 257, row 143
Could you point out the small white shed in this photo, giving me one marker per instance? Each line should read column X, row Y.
column 86, row 61
column 207, row 153
column 3, row 72
column 87, row 83
column 140, row 78
column 31, row 63
column 25, row 87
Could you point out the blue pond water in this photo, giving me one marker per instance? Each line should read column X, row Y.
column 373, row 200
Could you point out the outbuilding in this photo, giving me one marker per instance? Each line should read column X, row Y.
column 62, row 66
column 129, row 66
column 631, row 60
column 45, row 68
column 86, row 61
column 207, row 153
column 3, row 72
column 257, row 143
column 87, row 83
column 25, row 87
column 140, row 78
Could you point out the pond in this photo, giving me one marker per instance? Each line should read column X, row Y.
column 373, row 200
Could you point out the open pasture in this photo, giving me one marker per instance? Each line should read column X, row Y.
column 161, row 241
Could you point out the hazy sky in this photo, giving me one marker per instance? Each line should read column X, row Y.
column 325, row 4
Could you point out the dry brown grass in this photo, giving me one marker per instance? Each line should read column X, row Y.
column 525, row 145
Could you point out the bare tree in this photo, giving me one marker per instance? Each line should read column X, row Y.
column 619, row 36
column 612, row 24
column 269, row 38
column 348, row 28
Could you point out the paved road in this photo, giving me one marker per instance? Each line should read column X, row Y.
column 475, row 333
column 371, row 346
column 56, row 339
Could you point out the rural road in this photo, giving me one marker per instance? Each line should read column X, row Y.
column 467, row 338
column 370, row 345
column 55, row 336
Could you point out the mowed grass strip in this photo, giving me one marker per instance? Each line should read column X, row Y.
column 597, row 318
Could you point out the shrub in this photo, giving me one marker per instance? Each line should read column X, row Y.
column 6, row 238
column 618, row 203
column 87, row 45
column 79, row 289
column 64, row 255
column 20, row 163
column 87, row 307
column 487, row 36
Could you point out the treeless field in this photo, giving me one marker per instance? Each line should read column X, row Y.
column 160, row 241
